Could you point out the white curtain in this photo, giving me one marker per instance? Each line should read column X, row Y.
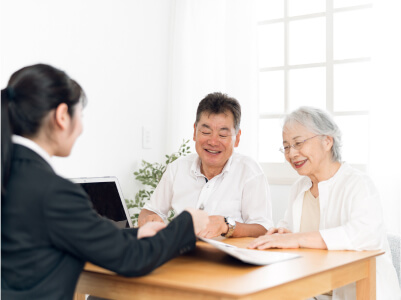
column 213, row 49
column 385, row 143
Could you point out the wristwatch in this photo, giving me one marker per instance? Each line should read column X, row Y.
column 231, row 227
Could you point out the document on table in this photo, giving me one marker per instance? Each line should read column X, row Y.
column 255, row 257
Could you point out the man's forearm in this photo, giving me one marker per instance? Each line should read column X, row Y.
column 147, row 216
column 248, row 230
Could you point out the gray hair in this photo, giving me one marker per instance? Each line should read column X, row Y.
column 319, row 122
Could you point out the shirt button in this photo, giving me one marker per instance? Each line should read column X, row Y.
column 202, row 207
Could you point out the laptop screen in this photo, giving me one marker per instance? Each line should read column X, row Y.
column 106, row 199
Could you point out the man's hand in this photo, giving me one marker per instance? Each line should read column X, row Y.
column 146, row 216
column 216, row 227
column 199, row 219
column 150, row 229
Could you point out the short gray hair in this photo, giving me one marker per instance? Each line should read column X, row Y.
column 319, row 122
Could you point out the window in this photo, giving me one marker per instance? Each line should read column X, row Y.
column 316, row 53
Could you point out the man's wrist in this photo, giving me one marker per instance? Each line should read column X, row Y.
column 226, row 228
column 231, row 224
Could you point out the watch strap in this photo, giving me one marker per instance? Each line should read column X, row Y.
column 231, row 229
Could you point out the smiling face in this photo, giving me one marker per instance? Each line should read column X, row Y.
column 215, row 139
column 314, row 155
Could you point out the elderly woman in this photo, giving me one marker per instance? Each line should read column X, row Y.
column 332, row 206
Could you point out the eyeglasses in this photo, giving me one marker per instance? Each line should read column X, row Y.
column 296, row 146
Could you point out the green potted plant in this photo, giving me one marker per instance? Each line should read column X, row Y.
column 149, row 175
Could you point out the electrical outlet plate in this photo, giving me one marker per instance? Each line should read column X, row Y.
column 146, row 138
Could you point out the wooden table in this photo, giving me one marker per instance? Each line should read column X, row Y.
column 208, row 273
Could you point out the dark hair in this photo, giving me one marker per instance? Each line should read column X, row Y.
column 218, row 103
column 32, row 92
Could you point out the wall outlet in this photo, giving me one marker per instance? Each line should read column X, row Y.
column 146, row 138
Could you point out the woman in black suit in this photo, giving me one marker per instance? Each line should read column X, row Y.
column 48, row 227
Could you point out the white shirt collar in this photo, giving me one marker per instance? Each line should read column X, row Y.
column 196, row 167
column 17, row 139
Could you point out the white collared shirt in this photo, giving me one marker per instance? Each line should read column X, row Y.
column 240, row 191
column 350, row 219
column 20, row 140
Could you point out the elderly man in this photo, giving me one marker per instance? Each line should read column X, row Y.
column 229, row 186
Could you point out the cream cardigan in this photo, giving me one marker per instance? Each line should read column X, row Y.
column 350, row 219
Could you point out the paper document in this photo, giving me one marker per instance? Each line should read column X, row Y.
column 255, row 257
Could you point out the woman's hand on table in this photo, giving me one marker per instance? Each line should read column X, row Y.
column 289, row 240
column 276, row 240
column 280, row 230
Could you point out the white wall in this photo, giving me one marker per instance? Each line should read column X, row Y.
column 280, row 196
column 117, row 50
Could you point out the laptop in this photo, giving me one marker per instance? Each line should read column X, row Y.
column 107, row 198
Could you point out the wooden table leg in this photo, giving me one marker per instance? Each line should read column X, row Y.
column 366, row 288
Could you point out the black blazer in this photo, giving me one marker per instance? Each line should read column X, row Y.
column 49, row 230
